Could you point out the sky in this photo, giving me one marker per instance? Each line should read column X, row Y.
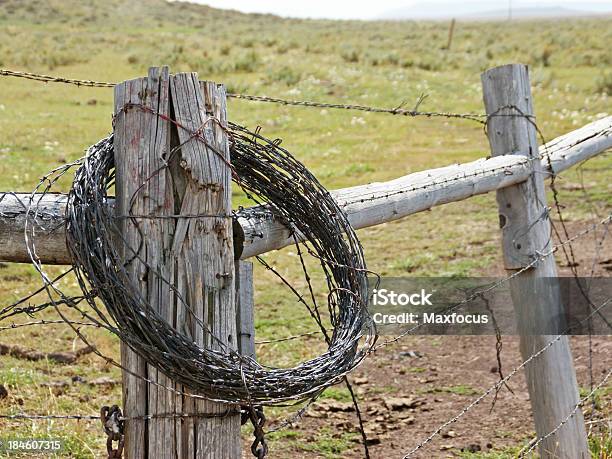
column 367, row 9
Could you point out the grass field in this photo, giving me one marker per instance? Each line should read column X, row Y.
column 370, row 63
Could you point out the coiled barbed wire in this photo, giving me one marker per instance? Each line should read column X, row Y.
column 267, row 173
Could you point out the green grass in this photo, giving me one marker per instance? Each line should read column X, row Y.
column 600, row 445
column 329, row 444
column 506, row 453
column 338, row 393
column 371, row 63
column 417, row 370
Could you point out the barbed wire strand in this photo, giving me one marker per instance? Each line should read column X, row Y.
column 537, row 258
column 14, row 326
column 399, row 111
column 288, row 338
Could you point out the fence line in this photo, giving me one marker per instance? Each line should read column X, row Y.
column 604, row 222
column 399, row 110
column 365, row 205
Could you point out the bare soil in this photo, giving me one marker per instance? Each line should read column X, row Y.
column 407, row 390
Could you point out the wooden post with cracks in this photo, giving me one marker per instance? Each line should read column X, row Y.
column 195, row 256
column 526, row 234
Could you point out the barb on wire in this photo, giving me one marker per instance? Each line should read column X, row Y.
column 55, row 79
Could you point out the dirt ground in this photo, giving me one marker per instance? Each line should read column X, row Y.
column 407, row 390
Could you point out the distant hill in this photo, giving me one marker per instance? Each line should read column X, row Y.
column 529, row 13
column 480, row 10
column 151, row 13
column 109, row 13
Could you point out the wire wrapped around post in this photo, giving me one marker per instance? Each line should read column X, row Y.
column 268, row 174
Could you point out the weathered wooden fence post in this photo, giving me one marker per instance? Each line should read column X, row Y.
column 195, row 255
column 526, row 232
column 451, row 31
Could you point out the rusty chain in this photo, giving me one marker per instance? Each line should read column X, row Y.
column 255, row 414
column 112, row 420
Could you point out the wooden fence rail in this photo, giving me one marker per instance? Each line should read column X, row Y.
column 366, row 205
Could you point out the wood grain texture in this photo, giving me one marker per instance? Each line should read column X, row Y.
column 245, row 299
column 203, row 250
column 194, row 256
column 129, row 135
column 455, row 182
column 526, row 231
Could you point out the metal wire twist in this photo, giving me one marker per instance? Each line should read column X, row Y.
column 267, row 173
